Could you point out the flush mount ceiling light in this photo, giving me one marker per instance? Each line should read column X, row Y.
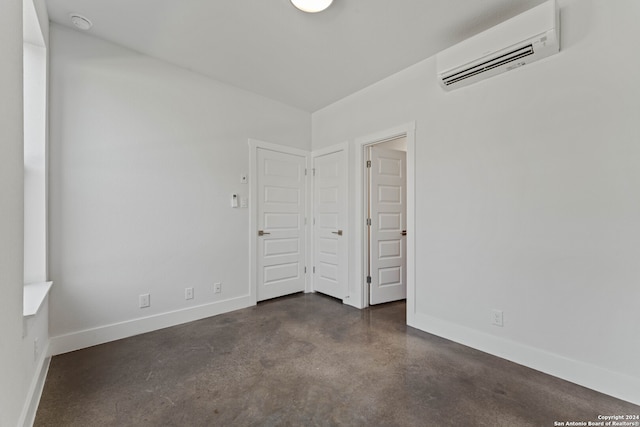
column 80, row 21
column 312, row 6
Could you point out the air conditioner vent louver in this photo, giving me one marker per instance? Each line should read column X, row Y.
column 488, row 65
column 521, row 40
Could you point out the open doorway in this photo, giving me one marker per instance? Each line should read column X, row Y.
column 384, row 241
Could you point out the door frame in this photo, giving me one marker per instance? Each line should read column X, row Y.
column 344, row 147
column 254, row 145
column 360, row 246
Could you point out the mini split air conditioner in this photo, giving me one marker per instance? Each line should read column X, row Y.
column 521, row 40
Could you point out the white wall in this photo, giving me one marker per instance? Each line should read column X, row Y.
column 527, row 199
column 13, row 389
column 144, row 159
column 398, row 144
column 35, row 360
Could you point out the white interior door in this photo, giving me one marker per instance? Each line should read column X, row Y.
column 281, row 213
column 387, row 232
column 330, row 219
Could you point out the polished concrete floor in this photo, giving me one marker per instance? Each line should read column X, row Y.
column 305, row 360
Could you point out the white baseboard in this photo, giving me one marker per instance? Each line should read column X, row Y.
column 587, row 375
column 89, row 337
column 28, row 415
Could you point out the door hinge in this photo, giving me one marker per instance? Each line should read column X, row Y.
column 314, row 269
column 314, row 171
column 369, row 222
column 368, row 163
column 369, row 279
column 305, row 269
column 305, row 171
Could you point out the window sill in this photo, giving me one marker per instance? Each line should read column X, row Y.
column 33, row 297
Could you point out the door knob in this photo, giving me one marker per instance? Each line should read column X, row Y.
column 404, row 232
column 262, row 233
column 339, row 232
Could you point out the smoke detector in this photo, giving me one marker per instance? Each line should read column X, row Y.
column 80, row 22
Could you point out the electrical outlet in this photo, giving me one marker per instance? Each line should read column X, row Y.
column 243, row 202
column 144, row 300
column 217, row 288
column 188, row 293
column 498, row 317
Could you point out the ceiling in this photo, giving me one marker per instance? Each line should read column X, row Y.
column 270, row 48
